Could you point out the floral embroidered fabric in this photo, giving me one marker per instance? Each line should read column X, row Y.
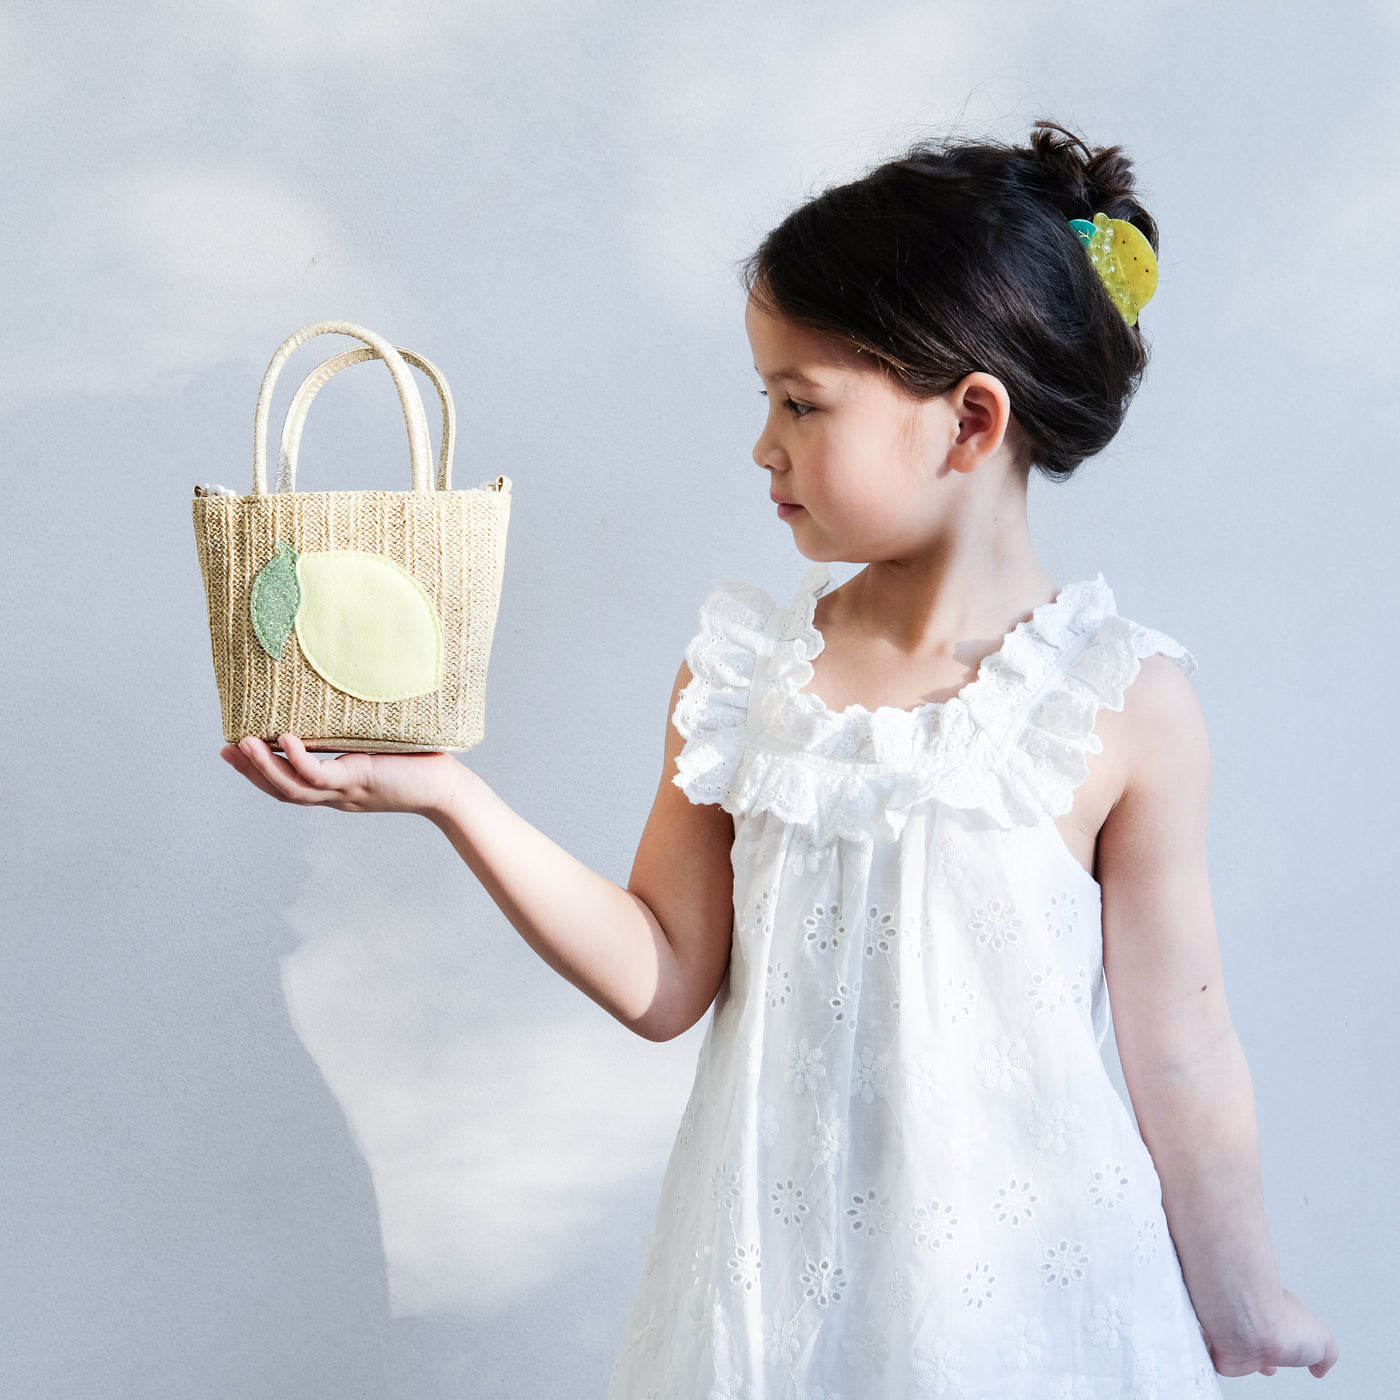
column 903, row 1169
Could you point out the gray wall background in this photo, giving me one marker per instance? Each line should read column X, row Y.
column 288, row 1110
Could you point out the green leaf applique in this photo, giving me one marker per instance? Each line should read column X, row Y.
column 275, row 599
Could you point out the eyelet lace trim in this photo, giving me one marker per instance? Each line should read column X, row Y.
column 1013, row 743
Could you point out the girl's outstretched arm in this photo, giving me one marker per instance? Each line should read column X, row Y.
column 1182, row 1061
column 653, row 954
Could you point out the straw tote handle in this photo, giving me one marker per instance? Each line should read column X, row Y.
column 409, row 399
column 295, row 421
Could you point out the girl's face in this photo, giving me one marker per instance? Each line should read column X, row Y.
column 855, row 464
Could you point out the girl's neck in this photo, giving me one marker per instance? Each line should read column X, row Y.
column 976, row 579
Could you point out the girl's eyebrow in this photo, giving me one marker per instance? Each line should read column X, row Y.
column 791, row 376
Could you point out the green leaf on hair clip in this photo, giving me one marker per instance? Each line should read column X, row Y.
column 275, row 600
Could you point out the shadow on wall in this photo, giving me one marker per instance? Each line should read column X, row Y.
column 558, row 1340
column 184, row 1210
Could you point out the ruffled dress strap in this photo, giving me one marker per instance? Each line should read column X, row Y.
column 1014, row 743
column 712, row 711
column 1046, row 685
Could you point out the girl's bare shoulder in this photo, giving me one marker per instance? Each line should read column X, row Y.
column 1156, row 746
column 1161, row 728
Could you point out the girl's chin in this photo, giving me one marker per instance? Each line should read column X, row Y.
column 819, row 555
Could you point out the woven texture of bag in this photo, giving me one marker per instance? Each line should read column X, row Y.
column 371, row 594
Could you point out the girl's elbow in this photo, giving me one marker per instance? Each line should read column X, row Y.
column 659, row 1027
column 1200, row 1068
column 670, row 1017
column 658, row 1031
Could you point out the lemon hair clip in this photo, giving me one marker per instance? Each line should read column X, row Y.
column 1124, row 260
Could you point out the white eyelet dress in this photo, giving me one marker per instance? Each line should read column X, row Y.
column 903, row 1169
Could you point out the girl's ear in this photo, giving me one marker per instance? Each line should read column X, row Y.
column 982, row 408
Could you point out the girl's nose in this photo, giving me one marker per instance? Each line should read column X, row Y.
column 765, row 450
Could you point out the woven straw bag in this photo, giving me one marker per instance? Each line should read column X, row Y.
column 359, row 620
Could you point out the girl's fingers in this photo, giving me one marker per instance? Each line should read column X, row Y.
column 305, row 764
column 297, row 775
column 1329, row 1357
column 285, row 781
column 237, row 759
column 1316, row 1339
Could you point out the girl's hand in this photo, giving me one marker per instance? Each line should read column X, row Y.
column 1297, row 1339
column 351, row 782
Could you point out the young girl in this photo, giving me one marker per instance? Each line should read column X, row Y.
column 909, row 833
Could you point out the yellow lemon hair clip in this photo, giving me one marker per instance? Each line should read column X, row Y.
column 1124, row 260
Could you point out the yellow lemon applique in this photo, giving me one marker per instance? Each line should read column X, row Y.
column 364, row 623
column 366, row 626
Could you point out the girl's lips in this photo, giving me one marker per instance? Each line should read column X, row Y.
column 786, row 509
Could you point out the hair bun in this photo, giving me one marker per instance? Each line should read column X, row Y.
column 959, row 257
column 1084, row 180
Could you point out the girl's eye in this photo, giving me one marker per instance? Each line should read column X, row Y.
column 798, row 410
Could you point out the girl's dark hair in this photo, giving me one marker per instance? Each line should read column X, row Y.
column 960, row 257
